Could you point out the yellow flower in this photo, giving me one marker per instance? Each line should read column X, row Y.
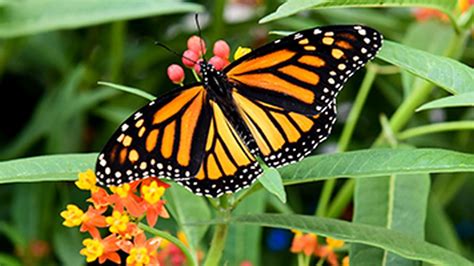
column 122, row 191
column 152, row 193
column 182, row 237
column 463, row 5
column 345, row 261
column 334, row 243
column 138, row 256
column 118, row 222
column 87, row 181
column 93, row 249
column 241, row 51
column 72, row 216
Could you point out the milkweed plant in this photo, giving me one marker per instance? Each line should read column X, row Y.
column 388, row 187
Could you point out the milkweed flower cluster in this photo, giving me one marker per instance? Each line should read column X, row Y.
column 119, row 212
column 308, row 245
column 423, row 14
column 196, row 49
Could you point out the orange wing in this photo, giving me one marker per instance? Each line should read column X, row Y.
column 228, row 165
column 304, row 72
column 285, row 91
column 164, row 138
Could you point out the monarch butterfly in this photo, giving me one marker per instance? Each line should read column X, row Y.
column 276, row 103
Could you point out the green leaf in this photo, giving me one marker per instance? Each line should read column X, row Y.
column 377, row 162
column 363, row 163
column 64, row 167
column 186, row 208
column 130, row 90
column 9, row 260
column 420, row 36
column 393, row 241
column 460, row 100
column 271, row 181
column 397, row 202
column 292, row 7
column 439, row 229
column 25, row 17
column 244, row 241
column 447, row 73
column 67, row 244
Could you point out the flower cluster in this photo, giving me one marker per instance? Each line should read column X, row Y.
column 193, row 56
column 119, row 212
column 308, row 245
column 423, row 14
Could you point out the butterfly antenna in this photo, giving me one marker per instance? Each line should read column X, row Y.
column 157, row 43
column 196, row 18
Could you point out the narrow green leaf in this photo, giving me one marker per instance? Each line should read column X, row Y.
column 130, row 90
column 244, row 241
column 67, row 244
column 396, row 202
column 9, row 260
column 186, row 208
column 439, row 229
column 377, row 162
column 420, row 36
column 447, row 73
column 64, row 167
column 393, row 241
column 271, row 181
column 460, row 100
column 356, row 164
column 32, row 16
column 292, row 7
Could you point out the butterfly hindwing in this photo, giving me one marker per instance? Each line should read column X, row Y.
column 285, row 91
column 164, row 138
column 228, row 165
column 277, row 103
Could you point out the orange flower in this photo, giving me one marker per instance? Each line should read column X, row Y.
column 464, row 5
column 327, row 251
column 142, row 251
column 102, row 249
column 424, row 14
column 152, row 190
column 306, row 243
column 125, row 197
column 92, row 219
column 100, row 198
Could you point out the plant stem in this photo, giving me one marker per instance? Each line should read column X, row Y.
column 357, row 108
column 341, row 200
column 218, row 19
column 214, row 253
column 117, row 36
column 347, row 134
column 434, row 128
column 189, row 257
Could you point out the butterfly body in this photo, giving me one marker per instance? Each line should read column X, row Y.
column 276, row 103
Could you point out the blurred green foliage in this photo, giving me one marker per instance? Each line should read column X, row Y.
column 53, row 54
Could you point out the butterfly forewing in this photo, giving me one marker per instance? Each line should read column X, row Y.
column 165, row 138
column 304, row 71
column 277, row 103
column 285, row 91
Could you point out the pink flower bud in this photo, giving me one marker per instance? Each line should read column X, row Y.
column 197, row 45
column 197, row 67
column 189, row 58
column 175, row 73
column 221, row 49
column 218, row 62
